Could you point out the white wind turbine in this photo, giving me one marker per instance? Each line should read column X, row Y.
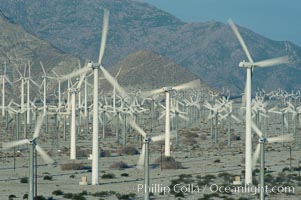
column 34, row 147
column 4, row 79
column 260, row 151
column 74, row 91
column 167, row 90
column 95, row 67
column 250, row 65
column 28, row 80
column 144, row 156
column 229, row 115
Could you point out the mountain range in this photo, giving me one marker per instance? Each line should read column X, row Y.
column 207, row 49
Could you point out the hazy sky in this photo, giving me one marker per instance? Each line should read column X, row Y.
column 276, row 19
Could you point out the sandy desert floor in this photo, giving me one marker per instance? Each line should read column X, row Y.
column 206, row 165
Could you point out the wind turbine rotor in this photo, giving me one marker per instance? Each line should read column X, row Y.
column 158, row 138
column 273, row 61
column 256, row 154
column 15, row 143
column 44, row 155
column 256, row 129
column 152, row 92
column 38, row 127
column 189, row 85
column 285, row 138
column 140, row 162
column 75, row 73
column 104, row 35
column 136, row 127
column 114, row 82
column 240, row 39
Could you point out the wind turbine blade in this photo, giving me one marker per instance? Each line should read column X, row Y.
column 75, row 73
column 141, row 159
column 104, row 35
column 14, row 143
column 184, row 117
column 285, row 138
column 35, row 83
column 285, row 122
column 158, row 138
column 5, row 77
column 256, row 129
column 241, row 41
column 19, row 72
column 256, row 154
column 114, row 82
column 162, row 115
column 152, row 92
column 235, row 118
column 118, row 73
column 189, row 85
column 136, row 127
column 43, row 68
column 273, row 61
column 81, row 80
column 38, row 127
column 44, row 155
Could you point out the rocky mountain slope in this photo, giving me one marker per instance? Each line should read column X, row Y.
column 20, row 48
column 146, row 70
column 207, row 49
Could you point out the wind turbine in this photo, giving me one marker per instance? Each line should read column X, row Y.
column 260, row 151
column 4, row 79
column 34, row 147
column 250, row 65
column 167, row 91
column 144, row 156
column 28, row 80
column 74, row 91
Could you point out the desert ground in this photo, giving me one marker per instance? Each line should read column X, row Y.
column 204, row 163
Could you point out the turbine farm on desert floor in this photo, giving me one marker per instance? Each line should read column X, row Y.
column 96, row 133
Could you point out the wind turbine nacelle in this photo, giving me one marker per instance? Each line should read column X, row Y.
column 263, row 140
column 90, row 64
column 147, row 140
column 94, row 65
column 167, row 89
column 245, row 64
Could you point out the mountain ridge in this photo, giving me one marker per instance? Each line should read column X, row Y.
column 208, row 49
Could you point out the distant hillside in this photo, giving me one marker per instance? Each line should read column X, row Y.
column 18, row 48
column 207, row 49
column 146, row 70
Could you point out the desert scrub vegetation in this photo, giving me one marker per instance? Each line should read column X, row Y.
column 78, row 196
column 72, row 166
column 169, row 163
column 129, row 150
column 130, row 196
column 103, row 193
column 105, row 153
column 47, row 177
column 57, row 192
column 24, row 180
column 108, row 176
column 119, row 165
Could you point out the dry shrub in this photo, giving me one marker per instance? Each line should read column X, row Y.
column 129, row 150
column 169, row 163
column 72, row 166
column 190, row 141
column 105, row 153
column 203, row 136
column 195, row 129
column 82, row 153
column 190, row 135
column 119, row 165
